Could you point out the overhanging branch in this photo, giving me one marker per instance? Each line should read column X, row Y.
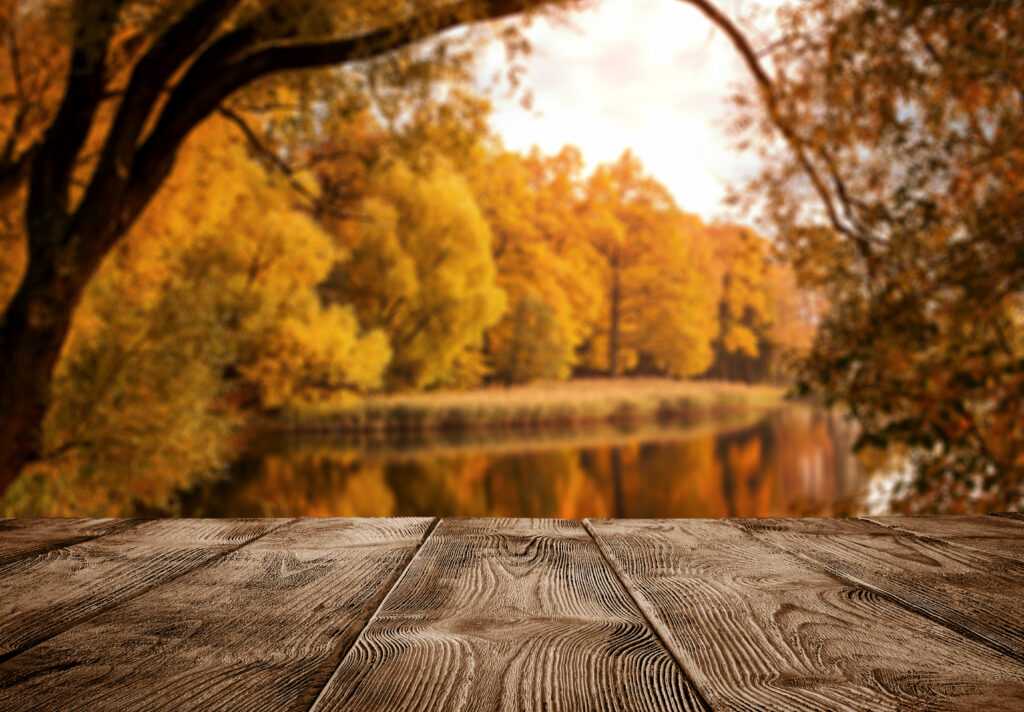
column 770, row 97
column 234, row 61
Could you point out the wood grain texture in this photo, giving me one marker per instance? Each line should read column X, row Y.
column 508, row 615
column 49, row 593
column 258, row 629
column 759, row 629
column 995, row 535
column 973, row 592
column 22, row 538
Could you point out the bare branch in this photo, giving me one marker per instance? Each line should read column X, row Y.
column 796, row 144
column 272, row 160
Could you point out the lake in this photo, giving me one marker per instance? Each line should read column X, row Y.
column 792, row 461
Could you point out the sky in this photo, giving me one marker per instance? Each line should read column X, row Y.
column 651, row 75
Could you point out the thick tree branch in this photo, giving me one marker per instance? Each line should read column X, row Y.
column 233, row 62
column 111, row 212
column 770, row 97
column 151, row 74
column 94, row 23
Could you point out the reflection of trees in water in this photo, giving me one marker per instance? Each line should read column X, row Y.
column 793, row 462
column 319, row 482
column 744, row 458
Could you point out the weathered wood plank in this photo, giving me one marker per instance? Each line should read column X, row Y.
column 995, row 535
column 22, row 538
column 49, row 593
column 508, row 615
column 259, row 629
column 971, row 591
column 759, row 629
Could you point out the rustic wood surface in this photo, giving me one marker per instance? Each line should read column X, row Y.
column 63, row 587
column 760, row 629
column 258, row 629
column 971, row 591
column 409, row 614
column 996, row 535
column 22, row 538
column 495, row 615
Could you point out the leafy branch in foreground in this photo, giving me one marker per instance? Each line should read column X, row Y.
column 901, row 203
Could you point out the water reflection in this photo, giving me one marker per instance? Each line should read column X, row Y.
column 795, row 461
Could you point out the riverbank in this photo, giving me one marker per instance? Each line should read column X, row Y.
column 626, row 402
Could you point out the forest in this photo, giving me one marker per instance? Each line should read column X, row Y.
column 216, row 210
column 396, row 263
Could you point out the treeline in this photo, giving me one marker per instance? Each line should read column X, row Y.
column 398, row 259
column 478, row 264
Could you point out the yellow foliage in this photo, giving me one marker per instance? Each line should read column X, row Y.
column 421, row 270
column 660, row 284
column 538, row 336
column 218, row 277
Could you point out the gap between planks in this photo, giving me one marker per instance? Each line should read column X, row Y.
column 366, row 624
column 644, row 609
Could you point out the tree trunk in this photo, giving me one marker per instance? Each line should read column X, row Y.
column 32, row 335
column 614, row 319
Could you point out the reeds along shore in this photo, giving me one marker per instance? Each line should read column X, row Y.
column 559, row 405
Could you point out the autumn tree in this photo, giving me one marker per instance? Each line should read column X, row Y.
column 421, row 271
column 794, row 314
column 660, row 290
column 898, row 195
column 538, row 247
column 766, row 321
column 119, row 98
column 207, row 307
column 743, row 310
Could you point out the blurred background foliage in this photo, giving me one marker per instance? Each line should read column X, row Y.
column 329, row 234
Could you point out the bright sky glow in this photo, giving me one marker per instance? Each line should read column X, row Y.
column 651, row 75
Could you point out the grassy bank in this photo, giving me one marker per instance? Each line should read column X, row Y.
column 540, row 406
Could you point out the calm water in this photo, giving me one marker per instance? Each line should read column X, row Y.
column 795, row 461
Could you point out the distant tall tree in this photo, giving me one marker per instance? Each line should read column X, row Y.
column 743, row 310
column 765, row 319
column 660, row 288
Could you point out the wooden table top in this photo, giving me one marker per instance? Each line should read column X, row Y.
column 512, row 614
